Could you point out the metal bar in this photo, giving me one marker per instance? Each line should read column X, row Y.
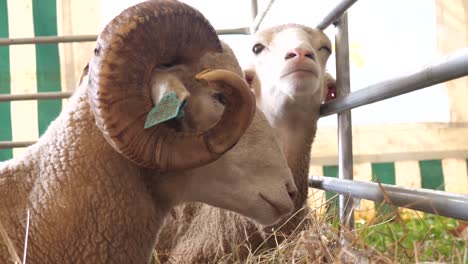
column 259, row 18
column 345, row 146
column 232, row 31
column 429, row 201
column 48, row 40
column 254, row 8
column 450, row 67
column 89, row 38
column 37, row 96
column 335, row 14
column 17, row 144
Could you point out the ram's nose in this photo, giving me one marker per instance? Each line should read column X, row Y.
column 292, row 190
column 284, row 200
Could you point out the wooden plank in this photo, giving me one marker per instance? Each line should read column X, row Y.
column 74, row 56
column 365, row 210
column 23, row 73
column 452, row 35
column 455, row 175
column 408, row 174
column 395, row 142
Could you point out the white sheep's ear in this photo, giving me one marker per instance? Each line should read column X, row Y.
column 329, row 91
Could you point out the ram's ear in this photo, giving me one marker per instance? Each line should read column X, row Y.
column 329, row 91
column 84, row 72
column 169, row 96
column 165, row 83
column 252, row 80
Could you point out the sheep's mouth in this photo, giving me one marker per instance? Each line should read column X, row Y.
column 300, row 70
column 278, row 210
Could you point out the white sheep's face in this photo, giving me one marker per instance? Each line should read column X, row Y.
column 252, row 178
column 290, row 60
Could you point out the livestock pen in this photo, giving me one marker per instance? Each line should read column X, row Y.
column 37, row 72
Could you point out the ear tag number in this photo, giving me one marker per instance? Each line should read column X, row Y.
column 168, row 108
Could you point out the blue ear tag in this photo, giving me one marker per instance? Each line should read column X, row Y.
column 168, row 108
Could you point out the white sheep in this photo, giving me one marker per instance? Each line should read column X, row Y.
column 98, row 185
column 290, row 83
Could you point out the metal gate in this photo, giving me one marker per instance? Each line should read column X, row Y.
column 451, row 67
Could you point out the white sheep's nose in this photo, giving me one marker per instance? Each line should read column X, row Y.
column 299, row 53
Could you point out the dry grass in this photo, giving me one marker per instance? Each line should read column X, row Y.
column 319, row 243
column 385, row 238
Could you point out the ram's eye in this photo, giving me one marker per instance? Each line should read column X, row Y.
column 166, row 66
column 220, row 98
column 325, row 48
column 257, row 48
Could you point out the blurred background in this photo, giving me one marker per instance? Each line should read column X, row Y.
column 415, row 140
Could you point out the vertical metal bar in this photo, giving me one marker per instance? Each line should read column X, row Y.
column 335, row 14
column 345, row 143
column 254, row 8
column 259, row 18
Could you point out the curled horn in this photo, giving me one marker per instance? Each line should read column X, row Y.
column 128, row 50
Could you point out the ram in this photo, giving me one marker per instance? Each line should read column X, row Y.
column 289, row 79
column 98, row 184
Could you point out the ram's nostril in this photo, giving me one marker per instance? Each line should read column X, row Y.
column 292, row 191
column 292, row 195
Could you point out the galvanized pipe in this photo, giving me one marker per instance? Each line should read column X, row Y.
column 254, row 8
column 335, row 14
column 90, row 38
column 233, row 31
column 429, row 201
column 259, row 18
column 450, row 67
column 36, row 96
column 345, row 141
column 48, row 40
column 17, row 144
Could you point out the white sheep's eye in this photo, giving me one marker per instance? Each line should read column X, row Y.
column 325, row 48
column 257, row 48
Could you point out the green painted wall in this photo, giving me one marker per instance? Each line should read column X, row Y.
column 47, row 61
column 5, row 85
column 385, row 173
column 330, row 171
column 432, row 176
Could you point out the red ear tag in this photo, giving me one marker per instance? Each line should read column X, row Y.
column 331, row 93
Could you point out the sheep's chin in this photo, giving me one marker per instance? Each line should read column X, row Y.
column 300, row 84
column 266, row 214
column 266, row 210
